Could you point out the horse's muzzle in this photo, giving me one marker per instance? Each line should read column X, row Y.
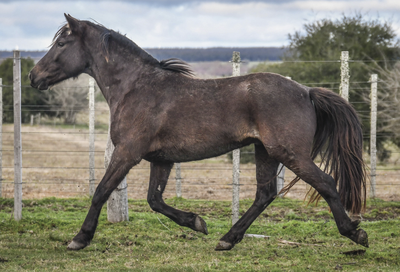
column 36, row 82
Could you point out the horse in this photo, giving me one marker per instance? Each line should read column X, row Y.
column 161, row 113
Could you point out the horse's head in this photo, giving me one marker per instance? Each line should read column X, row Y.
column 66, row 58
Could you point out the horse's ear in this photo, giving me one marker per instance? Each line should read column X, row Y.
column 72, row 23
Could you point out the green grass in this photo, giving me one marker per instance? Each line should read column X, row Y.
column 152, row 242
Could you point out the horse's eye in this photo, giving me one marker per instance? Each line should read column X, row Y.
column 60, row 44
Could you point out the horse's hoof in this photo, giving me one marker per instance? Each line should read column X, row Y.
column 222, row 245
column 201, row 225
column 75, row 245
column 361, row 238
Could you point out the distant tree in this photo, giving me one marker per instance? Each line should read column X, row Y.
column 313, row 57
column 68, row 98
column 32, row 99
column 388, row 103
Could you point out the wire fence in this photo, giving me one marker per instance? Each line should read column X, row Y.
column 55, row 158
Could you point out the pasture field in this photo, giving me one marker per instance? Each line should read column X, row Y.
column 302, row 238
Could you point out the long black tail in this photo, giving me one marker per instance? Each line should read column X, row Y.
column 338, row 140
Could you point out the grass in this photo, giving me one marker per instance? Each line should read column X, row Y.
column 152, row 242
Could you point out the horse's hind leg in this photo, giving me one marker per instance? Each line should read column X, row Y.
column 158, row 180
column 266, row 168
column 326, row 187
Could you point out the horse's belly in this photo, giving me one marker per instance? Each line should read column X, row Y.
column 195, row 152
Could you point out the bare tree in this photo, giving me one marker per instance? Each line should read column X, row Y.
column 388, row 99
column 388, row 125
column 68, row 98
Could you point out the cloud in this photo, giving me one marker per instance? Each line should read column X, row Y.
column 180, row 23
column 340, row 6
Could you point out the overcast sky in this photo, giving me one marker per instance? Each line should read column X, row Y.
column 30, row 25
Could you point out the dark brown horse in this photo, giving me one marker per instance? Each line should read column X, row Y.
column 161, row 113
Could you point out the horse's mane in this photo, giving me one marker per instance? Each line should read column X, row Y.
column 172, row 64
column 177, row 65
column 59, row 32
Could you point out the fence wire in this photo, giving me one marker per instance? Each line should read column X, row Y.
column 55, row 158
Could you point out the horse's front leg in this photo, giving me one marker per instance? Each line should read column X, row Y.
column 158, row 180
column 120, row 164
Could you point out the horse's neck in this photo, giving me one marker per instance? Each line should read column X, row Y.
column 112, row 75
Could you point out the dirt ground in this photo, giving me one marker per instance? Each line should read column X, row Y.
column 56, row 163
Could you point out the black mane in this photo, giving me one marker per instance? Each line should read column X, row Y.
column 172, row 64
column 59, row 32
column 177, row 65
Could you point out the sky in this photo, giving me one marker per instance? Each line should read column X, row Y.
column 31, row 25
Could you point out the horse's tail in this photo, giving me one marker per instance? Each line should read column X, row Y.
column 339, row 142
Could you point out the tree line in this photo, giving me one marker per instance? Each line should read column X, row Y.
column 218, row 53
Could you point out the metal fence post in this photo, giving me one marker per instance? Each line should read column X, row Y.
column 91, row 138
column 344, row 75
column 236, row 154
column 281, row 173
column 374, row 104
column 281, row 178
column 178, row 179
column 17, row 137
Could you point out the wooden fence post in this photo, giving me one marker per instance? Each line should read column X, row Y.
column 344, row 75
column 17, row 137
column 178, row 179
column 1, row 137
column 235, row 154
column 91, row 138
column 117, row 204
column 374, row 102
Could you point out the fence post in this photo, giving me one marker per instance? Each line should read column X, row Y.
column 178, row 179
column 91, row 138
column 235, row 154
column 344, row 75
column 117, row 204
column 374, row 102
column 17, row 136
column 281, row 178
column 1, row 137
column 281, row 173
